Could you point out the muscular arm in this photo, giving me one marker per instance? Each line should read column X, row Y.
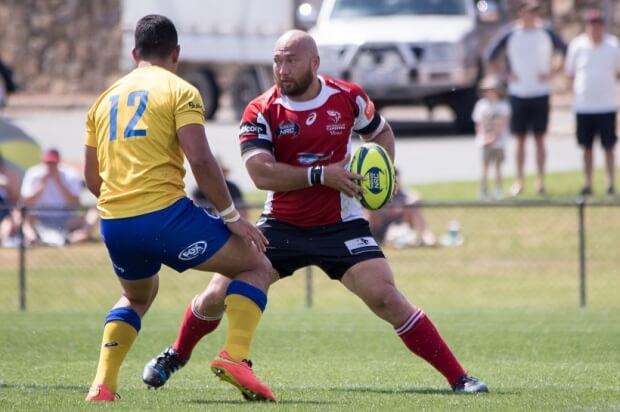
column 206, row 170
column 386, row 139
column 269, row 174
column 91, row 170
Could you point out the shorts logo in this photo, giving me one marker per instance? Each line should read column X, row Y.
column 118, row 268
column 361, row 245
column 193, row 251
column 311, row 119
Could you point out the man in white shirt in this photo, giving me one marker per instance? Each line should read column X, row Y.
column 52, row 190
column 529, row 47
column 593, row 63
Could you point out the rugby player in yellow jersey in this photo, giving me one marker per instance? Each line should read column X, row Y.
column 136, row 135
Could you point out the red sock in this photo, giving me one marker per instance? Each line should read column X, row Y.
column 192, row 329
column 422, row 338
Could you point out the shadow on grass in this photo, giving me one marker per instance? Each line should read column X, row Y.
column 242, row 402
column 42, row 387
column 417, row 391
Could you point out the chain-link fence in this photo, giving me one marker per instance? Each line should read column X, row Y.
column 556, row 253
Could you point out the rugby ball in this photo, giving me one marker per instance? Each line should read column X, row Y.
column 374, row 163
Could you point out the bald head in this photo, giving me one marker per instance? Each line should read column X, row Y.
column 295, row 65
column 299, row 42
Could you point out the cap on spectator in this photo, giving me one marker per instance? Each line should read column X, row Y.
column 593, row 15
column 529, row 5
column 50, row 156
column 491, row 83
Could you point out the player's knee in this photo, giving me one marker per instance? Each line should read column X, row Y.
column 385, row 299
column 263, row 269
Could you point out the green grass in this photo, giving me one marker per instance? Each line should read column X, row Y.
column 560, row 185
column 506, row 302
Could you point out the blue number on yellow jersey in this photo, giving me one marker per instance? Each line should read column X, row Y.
column 133, row 125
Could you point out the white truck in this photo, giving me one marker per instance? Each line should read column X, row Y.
column 410, row 51
column 226, row 46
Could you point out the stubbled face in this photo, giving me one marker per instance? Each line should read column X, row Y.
column 292, row 69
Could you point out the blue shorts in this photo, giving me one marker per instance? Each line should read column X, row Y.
column 181, row 236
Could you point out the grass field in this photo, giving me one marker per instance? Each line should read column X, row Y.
column 506, row 302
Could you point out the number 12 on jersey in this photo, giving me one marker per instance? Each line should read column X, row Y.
column 141, row 97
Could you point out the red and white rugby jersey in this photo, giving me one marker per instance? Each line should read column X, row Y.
column 304, row 134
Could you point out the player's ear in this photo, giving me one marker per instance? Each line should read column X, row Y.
column 175, row 54
column 316, row 62
column 135, row 55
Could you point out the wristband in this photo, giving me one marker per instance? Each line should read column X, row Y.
column 316, row 175
column 233, row 219
column 228, row 210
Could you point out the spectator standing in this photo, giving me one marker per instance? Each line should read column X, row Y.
column 593, row 63
column 403, row 209
column 57, row 187
column 529, row 47
column 491, row 115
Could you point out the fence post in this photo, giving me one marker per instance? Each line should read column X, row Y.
column 22, row 261
column 309, row 292
column 581, row 204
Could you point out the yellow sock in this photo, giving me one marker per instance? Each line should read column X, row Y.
column 118, row 337
column 243, row 317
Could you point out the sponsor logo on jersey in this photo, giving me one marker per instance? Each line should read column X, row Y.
column 335, row 128
column 287, row 129
column 252, row 128
column 193, row 251
column 369, row 111
column 334, row 116
column 310, row 120
column 311, row 158
column 362, row 245
column 193, row 105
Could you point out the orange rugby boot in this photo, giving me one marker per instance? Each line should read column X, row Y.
column 100, row 393
column 240, row 375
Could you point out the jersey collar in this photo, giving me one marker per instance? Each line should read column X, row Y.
column 318, row 101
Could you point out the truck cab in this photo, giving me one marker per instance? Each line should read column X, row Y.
column 405, row 52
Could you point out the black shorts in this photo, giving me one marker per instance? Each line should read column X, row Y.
column 529, row 114
column 334, row 248
column 591, row 124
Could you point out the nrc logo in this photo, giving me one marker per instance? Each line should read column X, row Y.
column 373, row 177
column 193, row 251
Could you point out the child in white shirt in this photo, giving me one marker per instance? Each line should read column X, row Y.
column 491, row 115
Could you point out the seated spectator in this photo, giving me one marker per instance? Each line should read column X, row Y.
column 404, row 210
column 237, row 196
column 9, row 195
column 52, row 192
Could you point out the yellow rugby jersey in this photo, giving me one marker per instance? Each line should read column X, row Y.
column 133, row 126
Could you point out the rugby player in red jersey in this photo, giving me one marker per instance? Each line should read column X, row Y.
column 296, row 141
